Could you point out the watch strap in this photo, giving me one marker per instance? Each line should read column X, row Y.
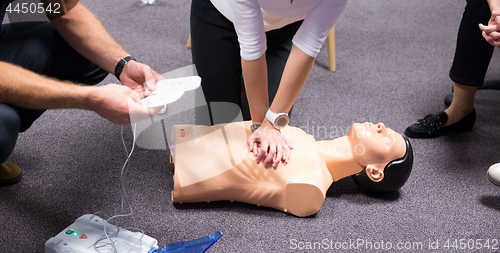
column 272, row 117
column 254, row 126
column 121, row 64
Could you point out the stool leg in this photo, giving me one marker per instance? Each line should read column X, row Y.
column 188, row 44
column 330, row 41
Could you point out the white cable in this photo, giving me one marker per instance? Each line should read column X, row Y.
column 123, row 174
column 101, row 243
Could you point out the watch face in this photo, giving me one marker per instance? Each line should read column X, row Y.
column 282, row 121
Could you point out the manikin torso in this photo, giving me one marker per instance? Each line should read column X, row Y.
column 214, row 163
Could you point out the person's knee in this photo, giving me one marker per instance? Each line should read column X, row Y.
column 10, row 123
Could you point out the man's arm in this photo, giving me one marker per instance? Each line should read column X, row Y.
column 27, row 89
column 81, row 29
column 85, row 33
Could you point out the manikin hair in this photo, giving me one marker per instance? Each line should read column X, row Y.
column 396, row 174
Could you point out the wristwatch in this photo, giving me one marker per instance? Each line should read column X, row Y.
column 121, row 64
column 254, row 126
column 279, row 120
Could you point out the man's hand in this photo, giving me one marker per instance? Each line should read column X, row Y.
column 139, row 77
column 491, row 33
column 119, row 104
column 274, row 147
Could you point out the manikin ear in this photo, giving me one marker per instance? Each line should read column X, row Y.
column 375, row 172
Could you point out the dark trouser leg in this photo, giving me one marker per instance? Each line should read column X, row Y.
column 36, row 46
column 9, row 129
column 216, row 55
column 473, row 53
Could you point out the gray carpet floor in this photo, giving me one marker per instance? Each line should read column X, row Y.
column 393, row 59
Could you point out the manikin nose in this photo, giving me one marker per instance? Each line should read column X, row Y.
column 380, row 127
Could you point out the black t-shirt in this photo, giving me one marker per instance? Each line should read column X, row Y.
column 3, row 7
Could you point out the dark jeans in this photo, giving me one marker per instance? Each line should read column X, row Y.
column 473, row 53
column 216, row 55
column 37, row 46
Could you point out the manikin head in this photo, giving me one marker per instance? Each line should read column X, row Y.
column 375, row 146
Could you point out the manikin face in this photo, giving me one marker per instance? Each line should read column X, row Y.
column 374, row 145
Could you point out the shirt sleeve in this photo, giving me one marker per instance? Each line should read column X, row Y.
column 317, row 25
column 246, row 16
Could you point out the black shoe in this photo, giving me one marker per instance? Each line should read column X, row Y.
column 432, row 125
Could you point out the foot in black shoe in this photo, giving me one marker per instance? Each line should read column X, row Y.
column 432, row 125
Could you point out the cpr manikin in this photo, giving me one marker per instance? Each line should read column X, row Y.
column 213, row 163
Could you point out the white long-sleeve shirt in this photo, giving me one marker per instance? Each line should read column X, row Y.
column 252, row 18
